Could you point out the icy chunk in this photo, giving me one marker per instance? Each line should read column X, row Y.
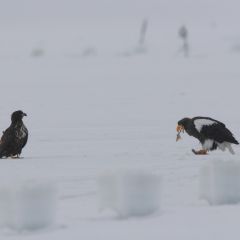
column 219, row 182
column 129, row 192
column 28, row 205
column 205, row 182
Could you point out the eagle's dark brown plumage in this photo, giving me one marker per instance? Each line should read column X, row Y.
column 15, row 137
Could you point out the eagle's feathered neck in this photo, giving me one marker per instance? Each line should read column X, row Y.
column 17, row 122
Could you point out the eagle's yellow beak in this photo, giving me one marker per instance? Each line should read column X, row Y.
column 179, row 129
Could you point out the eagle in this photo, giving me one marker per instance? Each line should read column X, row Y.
column 15, row 137
column 211, row 133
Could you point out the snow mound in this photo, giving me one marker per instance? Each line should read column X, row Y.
column 219, row 182
column 28, row 205
column 129, row 192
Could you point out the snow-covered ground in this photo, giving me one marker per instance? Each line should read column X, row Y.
column 95, row 103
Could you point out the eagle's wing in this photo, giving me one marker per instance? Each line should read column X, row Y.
column 218, row 132
column 208, row 118
column 199, row 122
column 6, row 140
column 25, row 140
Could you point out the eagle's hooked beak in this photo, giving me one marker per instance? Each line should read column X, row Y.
column 24, row 114
column 179, row 129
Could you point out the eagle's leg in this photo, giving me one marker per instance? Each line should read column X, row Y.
column 200, row 152
column 15, row 156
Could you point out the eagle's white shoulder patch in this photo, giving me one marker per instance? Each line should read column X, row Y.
column 199, row 123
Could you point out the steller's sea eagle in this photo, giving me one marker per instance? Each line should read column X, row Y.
column 211, row 133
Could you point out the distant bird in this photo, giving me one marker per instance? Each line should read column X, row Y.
column 15, row 137
column 211, row 133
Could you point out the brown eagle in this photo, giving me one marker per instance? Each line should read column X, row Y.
column 15, row 137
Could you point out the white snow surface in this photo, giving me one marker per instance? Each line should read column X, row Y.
column 109, row 109
column 219, row 181
column 28, row 205
column 129, row 192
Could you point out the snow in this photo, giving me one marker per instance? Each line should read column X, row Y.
column 28, row 204
column 220, row 181
column 104, row 110
column 129, row 192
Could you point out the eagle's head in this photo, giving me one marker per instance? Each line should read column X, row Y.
column 183, row 124
column 17, row 116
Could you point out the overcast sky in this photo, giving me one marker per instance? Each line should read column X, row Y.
column 15, row 10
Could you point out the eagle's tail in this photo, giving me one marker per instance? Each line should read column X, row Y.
column 235, row 141
column 229, row 147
